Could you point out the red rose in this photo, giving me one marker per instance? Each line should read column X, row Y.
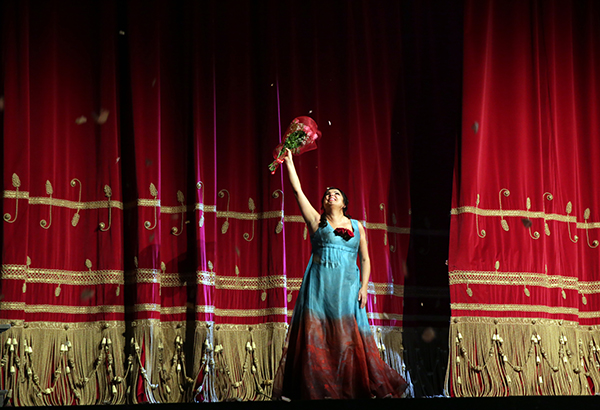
column 346, row 234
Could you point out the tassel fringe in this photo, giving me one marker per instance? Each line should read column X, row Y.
column 512, row 357
column 86, row 364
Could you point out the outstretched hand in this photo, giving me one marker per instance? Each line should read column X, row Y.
column 288, row 156
column 362, row 297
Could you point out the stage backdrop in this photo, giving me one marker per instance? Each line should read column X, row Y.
column 148, row 255
column 524, row 249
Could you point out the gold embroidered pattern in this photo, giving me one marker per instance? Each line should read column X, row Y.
column 108, row 195
column 294, row 283
column 384, row 227
column 181, row 199
column 523, row 278
column 568, row 210
column 382, row 208
column 527, row 215
column 276, row 194
column 241, row 312
column 384, row 316
column 12, row 305
column 60, row 309
column 517, row 213
column 542, row 322
column 258, row 283
column 43, row 223
column 101, row 325
column 63, row 277
column 506, row 193
column 386, row 289
column 16, row 182
column 554, row 310
column 250, row 312
column 586, row 216
column 76, row 217
column 156, row 203
column 144, row 307
column 225, row 225
column 144, row 276
column 62, row 203
column 200, row 206
column 150, row 203
column 147, row 224
column 205, row 309
column 532, row 234
column 173, row 310
column 205, row 278
column 226, row 327
column 252, row 208
column 481, row 233
column 548, row 196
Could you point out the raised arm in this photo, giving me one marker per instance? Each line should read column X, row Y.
column 310, row 214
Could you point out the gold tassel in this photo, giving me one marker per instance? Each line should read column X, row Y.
column 495, row 357
column 72, row 374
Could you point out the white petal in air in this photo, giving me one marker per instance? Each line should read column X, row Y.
column 101, row 119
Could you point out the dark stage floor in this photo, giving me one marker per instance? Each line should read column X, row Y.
column 502, row 403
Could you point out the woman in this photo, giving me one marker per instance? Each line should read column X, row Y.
column 331, row 352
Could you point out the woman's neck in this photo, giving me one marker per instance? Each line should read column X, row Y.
column 335, row 216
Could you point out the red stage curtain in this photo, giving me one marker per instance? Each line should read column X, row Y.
column 148, row 255
column 524, row 272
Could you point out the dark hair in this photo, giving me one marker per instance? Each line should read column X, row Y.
column 323, row 221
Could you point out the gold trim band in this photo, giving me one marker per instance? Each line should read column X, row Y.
column 459, row 277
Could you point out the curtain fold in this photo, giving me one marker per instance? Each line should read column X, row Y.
column 523, row 265
column 148, row 253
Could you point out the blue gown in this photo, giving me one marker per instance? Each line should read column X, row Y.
column 330, row 351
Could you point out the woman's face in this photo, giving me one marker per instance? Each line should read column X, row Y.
column 333, row 198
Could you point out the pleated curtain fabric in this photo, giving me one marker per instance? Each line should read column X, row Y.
column 523, row 267
column 148, row 255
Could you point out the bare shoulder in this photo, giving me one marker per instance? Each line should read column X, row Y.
column 361, row 228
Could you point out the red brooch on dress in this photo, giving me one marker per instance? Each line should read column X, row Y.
column 346, row 234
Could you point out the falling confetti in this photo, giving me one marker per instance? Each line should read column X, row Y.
column 102, row 117
column 310, row 111
column 329, row 122
column 81, row 120
column 121, row 32
column 118, row 159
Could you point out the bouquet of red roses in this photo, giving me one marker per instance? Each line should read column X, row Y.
column 300, row 137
